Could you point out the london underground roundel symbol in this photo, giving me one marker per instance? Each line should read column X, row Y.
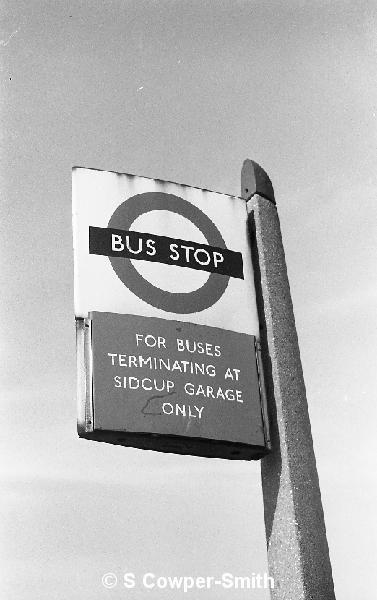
column 181, row 303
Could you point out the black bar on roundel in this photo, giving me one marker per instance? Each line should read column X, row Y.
column 170, row 251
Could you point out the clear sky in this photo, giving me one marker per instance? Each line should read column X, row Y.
column 183, row 91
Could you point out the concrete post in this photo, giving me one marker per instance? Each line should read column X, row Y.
column 298, row 554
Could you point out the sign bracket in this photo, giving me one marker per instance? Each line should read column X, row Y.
column 85, row 411
column 263, row 395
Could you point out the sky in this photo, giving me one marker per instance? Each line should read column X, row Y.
column 183, row 91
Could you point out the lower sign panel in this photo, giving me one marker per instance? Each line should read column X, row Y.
column 170, row 386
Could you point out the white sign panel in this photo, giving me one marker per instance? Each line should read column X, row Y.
column 160, row 249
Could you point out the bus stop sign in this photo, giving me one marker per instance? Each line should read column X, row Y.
column 167, row 328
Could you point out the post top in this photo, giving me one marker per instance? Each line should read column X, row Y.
column 254, row 180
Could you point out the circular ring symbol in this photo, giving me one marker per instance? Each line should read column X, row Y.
column 109, row 580
column 181, row 303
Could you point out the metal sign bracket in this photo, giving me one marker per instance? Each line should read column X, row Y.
column 85, row 412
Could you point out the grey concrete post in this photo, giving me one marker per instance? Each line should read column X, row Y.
column 298, row 554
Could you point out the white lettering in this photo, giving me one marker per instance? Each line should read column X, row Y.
column 239, row 396
column 151, row 248
column 173, row 249
column 217, row 258
column 162, row 582
column 242, row 582
column 133, row 383
column 128, row 244
column 129, row 580
column 147, row 384
column 151, row 341
column 209, row 392
column 116, row 243
column 112, row 357
column 122, row 358
column 200, row 410
column 232, row 374
column 188, row 583
column 166, row 408
column 182, row 410
column 207, row 259
column 228, row 374
column 227, row 580
column 187, row 248
column 189, row 389
column 193, row 347
column 146, row 578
